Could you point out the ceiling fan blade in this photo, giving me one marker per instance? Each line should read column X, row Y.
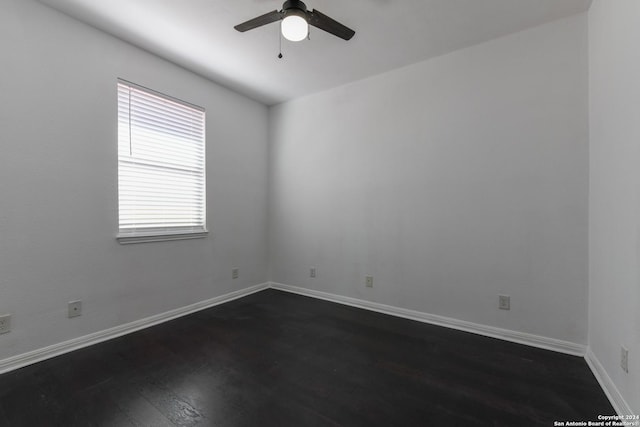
column 322, row 21
column 259, row 21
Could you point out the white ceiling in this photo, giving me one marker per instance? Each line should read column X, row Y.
column 199, row 35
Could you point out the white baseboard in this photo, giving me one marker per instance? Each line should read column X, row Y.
column 462, row 325
column 615, row 397
column 41, row 354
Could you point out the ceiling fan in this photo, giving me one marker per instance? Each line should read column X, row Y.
column 296, row 20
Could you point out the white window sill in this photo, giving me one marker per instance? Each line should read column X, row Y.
column 125, row 239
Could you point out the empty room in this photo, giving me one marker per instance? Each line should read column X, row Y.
column 320, row 213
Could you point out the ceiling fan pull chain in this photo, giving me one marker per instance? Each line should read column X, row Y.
column 280, row 39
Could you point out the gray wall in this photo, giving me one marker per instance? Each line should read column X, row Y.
column 614, row 202
column 450, row 181
column 58, row 185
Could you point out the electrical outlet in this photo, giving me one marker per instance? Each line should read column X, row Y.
column 369, row 281
column 624, row 359
column 504, row 302
column 5, row 324
column 235, row 273
column 312, row 272
column 75, row 309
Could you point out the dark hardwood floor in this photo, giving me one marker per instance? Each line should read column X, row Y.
column 278, row 359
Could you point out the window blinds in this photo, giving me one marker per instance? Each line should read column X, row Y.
column 161, row 164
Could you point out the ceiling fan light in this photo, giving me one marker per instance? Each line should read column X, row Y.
column 295, row 27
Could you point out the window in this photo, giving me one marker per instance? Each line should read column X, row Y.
column 161, row 166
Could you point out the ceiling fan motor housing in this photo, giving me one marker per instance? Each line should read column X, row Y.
column 295, row 7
